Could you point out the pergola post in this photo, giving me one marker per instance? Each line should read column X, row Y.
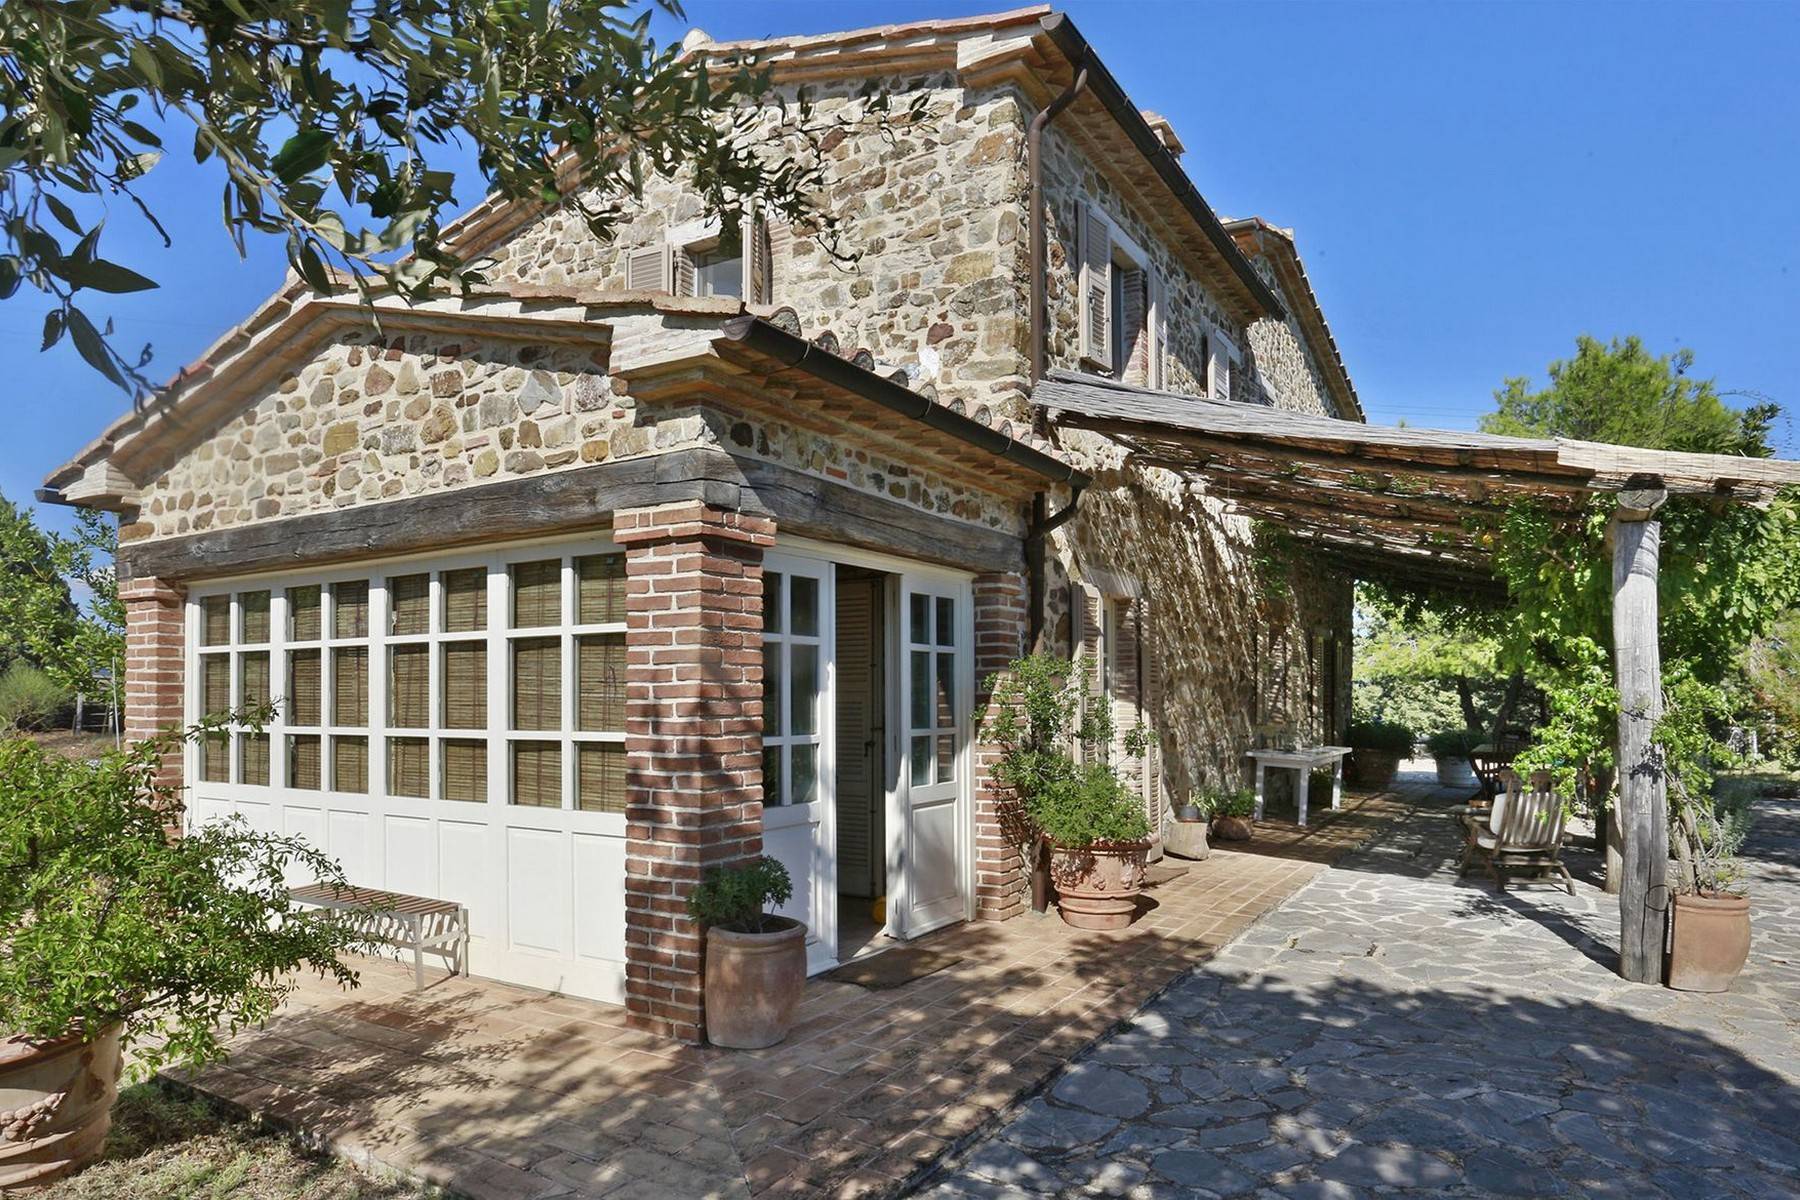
column 1642, row 812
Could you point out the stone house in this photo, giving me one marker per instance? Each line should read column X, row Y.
column 700, row 541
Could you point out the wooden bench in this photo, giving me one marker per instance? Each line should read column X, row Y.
column 416, row 923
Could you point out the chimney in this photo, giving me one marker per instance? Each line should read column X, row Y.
column 1165, row 132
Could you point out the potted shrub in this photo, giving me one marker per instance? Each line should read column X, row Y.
column 755, row 960
column 1709, row 925
column 1376, row 751
column 1451, row 747
column 119, row 937
column 1097, row 832
column 1230, row 810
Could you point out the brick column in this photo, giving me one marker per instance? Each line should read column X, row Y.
column 693, row 738
column 1002, row 881
column 154, row 622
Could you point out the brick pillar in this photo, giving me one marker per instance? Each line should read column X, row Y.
column 154, row 621
column 1002, row 881
column 693, row 738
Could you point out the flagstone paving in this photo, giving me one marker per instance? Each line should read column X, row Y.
column 1393, row 1031
column 494, row 1091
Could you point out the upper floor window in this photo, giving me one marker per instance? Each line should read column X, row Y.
column 706, row 258
column 1123, row 321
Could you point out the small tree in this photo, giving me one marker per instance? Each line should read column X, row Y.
column 78, row 642
column 1041, row 708
column 105, row 918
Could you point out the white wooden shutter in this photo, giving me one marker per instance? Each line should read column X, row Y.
column 1218, row 369
column 1087, row 630
column 778, row 237
column 756, row 257
column 647, row 269
column 1158, row 320
column 1096, row 287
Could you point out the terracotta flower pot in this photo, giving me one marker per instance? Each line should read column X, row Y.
column 56, row 1103
column 1372, row 768
column 753, row 984
column 1232, row 829
column 1709, row 942
column 1097, row 887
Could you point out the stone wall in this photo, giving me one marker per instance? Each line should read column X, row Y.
column 933, row 212
column 1284, row 360
column 1071, row 181
column 372, row 419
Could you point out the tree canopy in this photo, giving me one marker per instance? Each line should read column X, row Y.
column 59, row 601
column 1623, row 394
column 330, row 122
column 1728, row 572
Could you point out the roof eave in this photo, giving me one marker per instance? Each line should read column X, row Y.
column 1077, row 50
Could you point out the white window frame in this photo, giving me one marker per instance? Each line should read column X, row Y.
column 498, row 636
column 782, row 642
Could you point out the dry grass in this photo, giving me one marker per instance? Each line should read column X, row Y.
column 72, row 745
column 166, row 1147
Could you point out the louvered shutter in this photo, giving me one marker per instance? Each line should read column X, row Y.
column 756, row 257
column 778, row 238
column 1153, row 697
column 1090, row 643
column 647, row 269
column 1157, row 374
column 1218, row 369
column 1096, row 288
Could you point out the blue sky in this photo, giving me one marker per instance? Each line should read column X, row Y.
column 1472, row 186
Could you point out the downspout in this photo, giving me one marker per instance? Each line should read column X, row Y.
column 1034, row 156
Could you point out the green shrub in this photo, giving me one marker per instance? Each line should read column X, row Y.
column 738, row 897
column 1042, row 707
column 30, row 699
column 1385, row 736
column 105, row 917
column 1453, row 743
column 1227, row 802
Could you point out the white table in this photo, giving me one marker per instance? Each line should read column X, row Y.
column 1304, row 760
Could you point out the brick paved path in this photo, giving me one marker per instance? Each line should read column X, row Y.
column 1391, row 1031
column 499, row 1093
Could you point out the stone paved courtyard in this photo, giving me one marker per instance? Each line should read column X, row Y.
column 1393, row 1031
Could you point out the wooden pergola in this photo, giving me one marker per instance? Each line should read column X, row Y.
column 1420, row 506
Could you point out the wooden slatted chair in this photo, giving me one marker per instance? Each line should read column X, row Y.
column 1523, row 831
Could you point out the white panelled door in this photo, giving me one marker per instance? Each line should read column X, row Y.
column 936, row 690
column 799, row 811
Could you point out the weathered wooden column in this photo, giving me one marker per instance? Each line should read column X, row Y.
column 1643, row 807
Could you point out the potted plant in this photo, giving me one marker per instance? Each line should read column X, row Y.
column 1709, row 924
column 120, row 936
column 1376, row 751
column 1186, row 834
column 1097, row 832
column 755, row 960
column 1230, row 810
column 1451, row 747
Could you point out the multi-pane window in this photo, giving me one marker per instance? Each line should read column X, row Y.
column 931, row 704
column 500, row 680
column 234, row 677
column 792, row 679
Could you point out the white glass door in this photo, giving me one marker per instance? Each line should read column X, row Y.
column 936, row 686
column 799, row 819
